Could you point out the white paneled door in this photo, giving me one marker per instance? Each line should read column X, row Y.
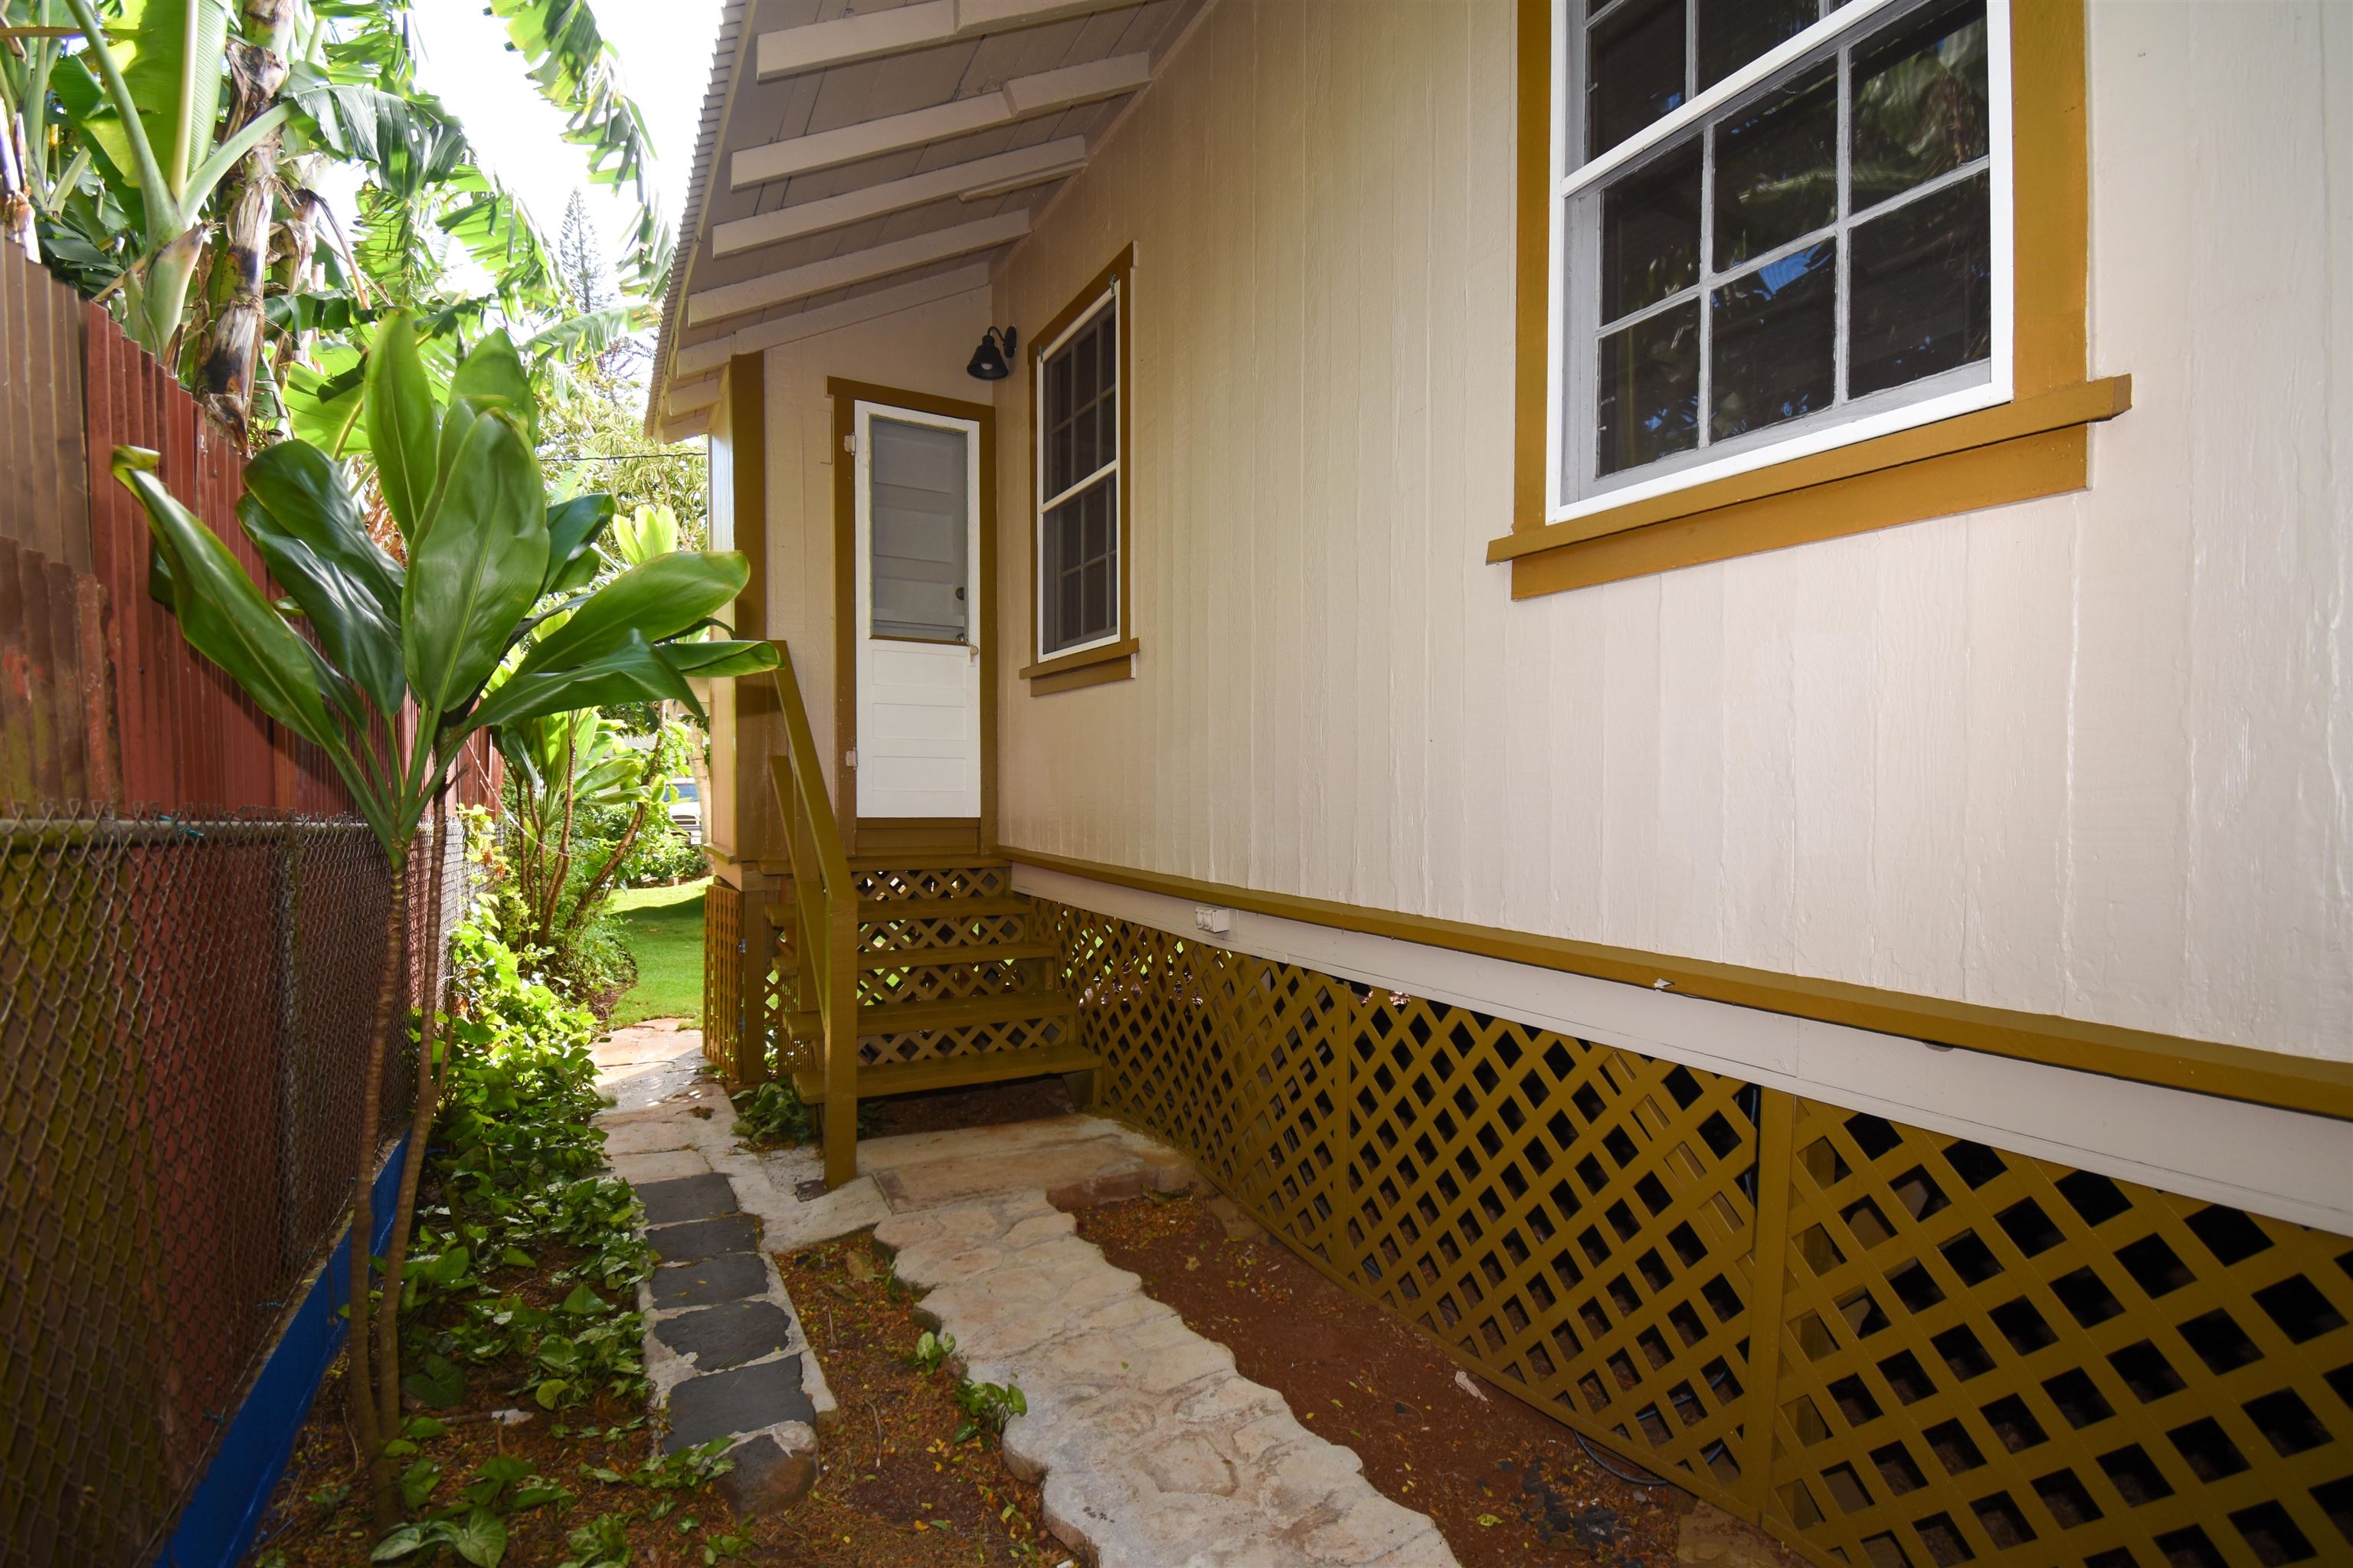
column 918, row 597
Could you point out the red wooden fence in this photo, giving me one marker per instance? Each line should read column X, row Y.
column 100, row 699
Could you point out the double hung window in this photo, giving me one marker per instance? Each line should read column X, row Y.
column 1779, row 225
column 1079, row 581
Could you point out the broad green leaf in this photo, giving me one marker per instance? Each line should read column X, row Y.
column 583, row 1303
column 438, row 1383
column 403, row 1541
column 305, row 493
column 668, row 595
column 358, row 638
column 644, row 532
column 572, row 529
column 551, row 1392
column 403, row 424
column 719, row 659
column 632, row 673
column 171, row 52
column 476, row 573
column 480, row 1538
column 223, row 615
column 418, row 1481
column 493, row 376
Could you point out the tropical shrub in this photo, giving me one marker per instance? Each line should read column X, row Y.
column 488, row 622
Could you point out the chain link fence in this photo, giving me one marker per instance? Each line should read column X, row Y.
column 185, row 1008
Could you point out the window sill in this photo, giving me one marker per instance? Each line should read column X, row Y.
column 1088, row 667
column 2029, row 447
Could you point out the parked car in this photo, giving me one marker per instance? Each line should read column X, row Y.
column 686, row 809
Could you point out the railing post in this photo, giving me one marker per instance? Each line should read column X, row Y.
column 750, row 1063
column 1768, row 1275
column 841, row 1037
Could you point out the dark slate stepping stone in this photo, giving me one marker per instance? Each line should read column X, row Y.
column 703, row 1238
column 687, row 1198
column 729, row 1335
column 730, row 1276
column 719, row 1404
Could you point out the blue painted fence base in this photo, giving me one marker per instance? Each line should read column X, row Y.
column 216, row 1526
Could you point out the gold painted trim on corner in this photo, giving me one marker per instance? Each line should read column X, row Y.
column 1122, row 270
column 1746, row 513
column 2309, row 1085
column 847, row 394
column 1081, row 660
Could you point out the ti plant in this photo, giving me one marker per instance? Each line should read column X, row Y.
column 389, row 670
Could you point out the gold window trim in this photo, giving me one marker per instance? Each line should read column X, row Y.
column 1109, row 661
column 2037, row 444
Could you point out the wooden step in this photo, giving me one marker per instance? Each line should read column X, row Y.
column 977, row 953
column 1005, row 1007
column 872, row 911
column 933, row 860
column 953, row 1071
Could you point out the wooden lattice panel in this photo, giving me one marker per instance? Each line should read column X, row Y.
column 951, row 882
column 944, row 979
column 1965, row 1356
column 960, row 1040
column 1987, row 1357
column 722, row 975
column 1573, row 1218
column 925, row 933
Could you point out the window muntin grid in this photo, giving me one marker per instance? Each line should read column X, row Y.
column 1697, row 333
column 1077, row 484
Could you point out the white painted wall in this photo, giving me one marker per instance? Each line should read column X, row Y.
column 2091, row 756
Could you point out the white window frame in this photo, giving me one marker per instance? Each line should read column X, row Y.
column 1041, row 504
column 1567, row 497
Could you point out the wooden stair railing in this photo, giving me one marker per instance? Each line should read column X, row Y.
column 912, row 971
column 825, row 902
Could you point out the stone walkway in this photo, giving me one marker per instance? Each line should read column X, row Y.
column 1154, row 1452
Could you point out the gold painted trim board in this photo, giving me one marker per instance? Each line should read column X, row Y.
column 1121, row 271
column 1749, row 513
column 1081, row 660
column 2310, row 1085
column 847, row 394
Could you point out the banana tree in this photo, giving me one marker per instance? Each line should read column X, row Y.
column 159, row 72
column 387, row 669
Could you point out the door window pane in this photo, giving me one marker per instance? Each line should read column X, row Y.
column 1919, row 102
column 1648, row 403
column 1634, row 73
column 1777, row 170
column 1650, row 233
column 920, row 505
column 1734, row 32
column 1922, row 298
column 1775, row 346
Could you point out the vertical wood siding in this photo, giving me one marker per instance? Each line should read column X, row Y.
column 2091, row 756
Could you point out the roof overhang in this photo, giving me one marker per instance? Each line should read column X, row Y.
column 853, row 165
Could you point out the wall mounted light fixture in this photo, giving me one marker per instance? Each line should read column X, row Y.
column 988, row 361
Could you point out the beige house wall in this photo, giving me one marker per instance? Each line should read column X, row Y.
column 2090, row 757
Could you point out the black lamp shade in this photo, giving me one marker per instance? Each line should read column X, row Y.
column 988, row 360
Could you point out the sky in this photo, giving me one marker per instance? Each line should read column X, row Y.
column 665, row 51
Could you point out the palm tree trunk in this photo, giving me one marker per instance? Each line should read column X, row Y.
column 226, row 354
column 366, row 1424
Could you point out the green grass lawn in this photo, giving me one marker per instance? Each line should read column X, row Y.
column 663, row 926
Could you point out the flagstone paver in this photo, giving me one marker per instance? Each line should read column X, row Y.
column 1154, row 1451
